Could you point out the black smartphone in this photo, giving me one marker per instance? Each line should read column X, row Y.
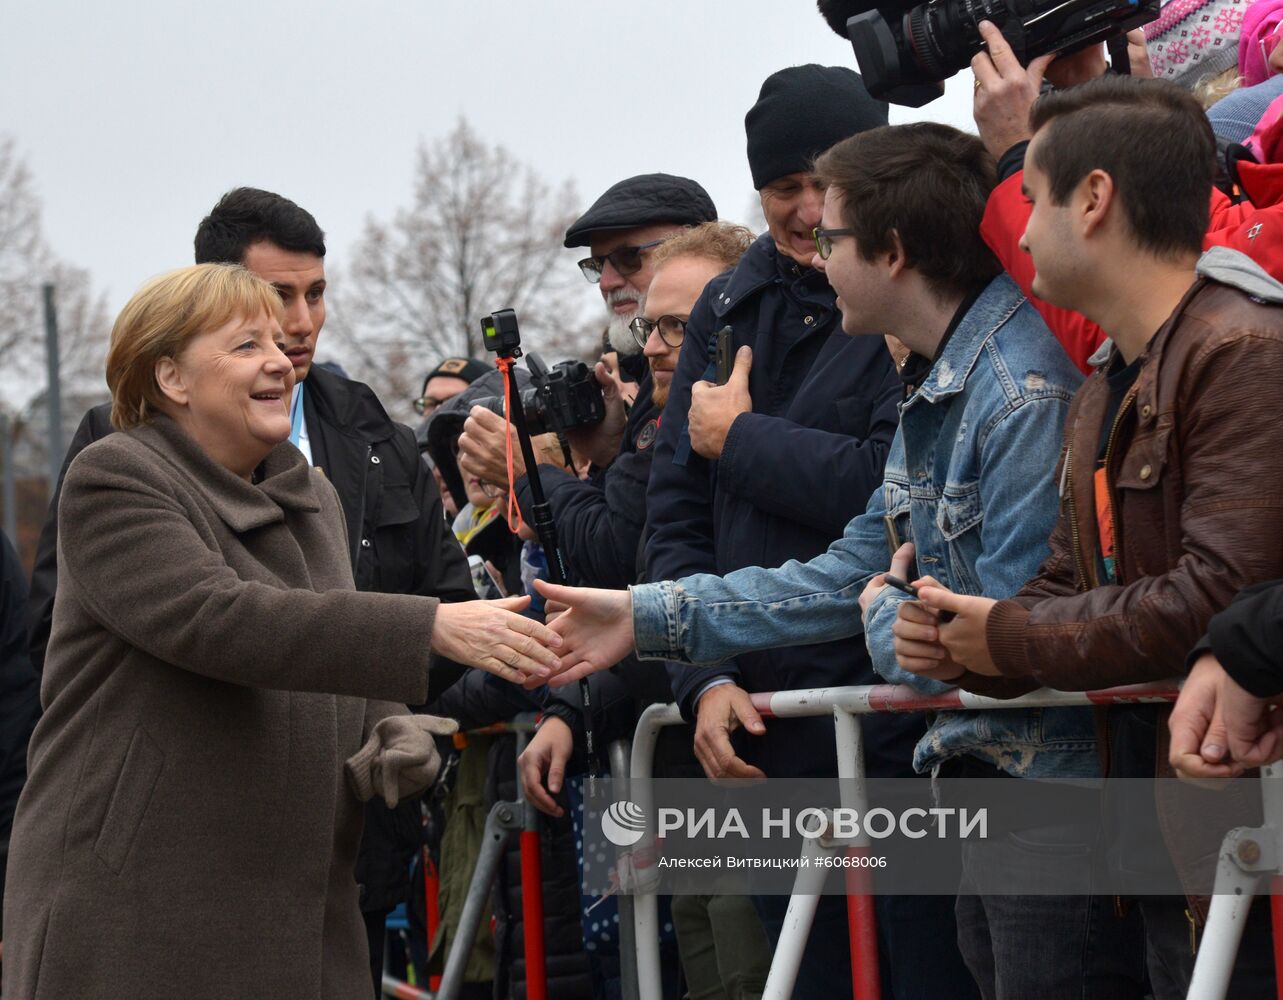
column 912, row 591
column 725, row 355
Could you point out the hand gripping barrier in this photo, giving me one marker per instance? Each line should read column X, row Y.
column 1247, row 856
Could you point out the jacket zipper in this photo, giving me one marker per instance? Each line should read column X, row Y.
column 1109, row 483
column 360, row 516
column 1085, row 581
column 1119, row 906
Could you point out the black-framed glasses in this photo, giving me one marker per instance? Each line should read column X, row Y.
column 672, row 331
column 625, row 260
column 824, row 240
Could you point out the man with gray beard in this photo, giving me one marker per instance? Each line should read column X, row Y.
column 621, row 229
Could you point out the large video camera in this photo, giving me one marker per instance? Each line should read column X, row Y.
column 559, row 399
column 906, row 50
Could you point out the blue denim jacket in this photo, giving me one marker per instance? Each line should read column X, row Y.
column 969, row 480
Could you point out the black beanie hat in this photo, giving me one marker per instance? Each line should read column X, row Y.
column 802, row 111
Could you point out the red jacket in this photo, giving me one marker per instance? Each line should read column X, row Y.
column 1254, row 228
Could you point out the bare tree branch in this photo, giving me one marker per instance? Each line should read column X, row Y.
column 26, row 264
column 483, row 233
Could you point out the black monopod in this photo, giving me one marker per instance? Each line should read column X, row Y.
column 501, row 336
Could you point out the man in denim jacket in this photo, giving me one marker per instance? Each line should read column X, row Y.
column 969, row 482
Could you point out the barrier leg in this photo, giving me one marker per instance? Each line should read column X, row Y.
column 393, row 987
column 862, row 927
column 531, row 891
column 646, row 904
column 431, row 908
column 503, row 818
column 618, row 755
column 797, row 925
column 1244, row 854
column 1276, row 923
column 866, row 984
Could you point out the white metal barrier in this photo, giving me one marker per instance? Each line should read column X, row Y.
column 1247, row 856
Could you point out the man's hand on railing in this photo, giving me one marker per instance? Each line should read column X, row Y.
column 722, row 710
column 1218, row 729
column 542, row 765
column 596, row 629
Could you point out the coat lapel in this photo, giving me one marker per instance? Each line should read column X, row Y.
column 242, row 506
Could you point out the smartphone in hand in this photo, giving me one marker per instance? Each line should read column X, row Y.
column 725, row 355
column 912, row 591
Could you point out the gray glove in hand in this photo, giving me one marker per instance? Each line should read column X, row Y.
column 399, row 759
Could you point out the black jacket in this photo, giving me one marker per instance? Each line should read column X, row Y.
column 388, row 495
column 791, row 475
column 600, row 520
column 400, row 544
column 1247, row 637
column 19, row 692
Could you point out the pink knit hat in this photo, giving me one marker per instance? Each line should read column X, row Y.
column 1259, row 22
column 1195, row 38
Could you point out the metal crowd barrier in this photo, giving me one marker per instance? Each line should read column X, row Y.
column 503, row 819
column 1247, row 856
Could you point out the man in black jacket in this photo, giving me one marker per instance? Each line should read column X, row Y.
column 399, row 540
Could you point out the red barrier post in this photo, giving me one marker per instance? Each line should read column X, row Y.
column 532, row 915
column 1276, row 915
column 431, row 909
column 862, row 926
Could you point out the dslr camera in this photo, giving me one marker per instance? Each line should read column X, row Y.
column 906, row 50
column 559, row 399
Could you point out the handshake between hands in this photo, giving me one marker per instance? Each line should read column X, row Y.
column 595, row 631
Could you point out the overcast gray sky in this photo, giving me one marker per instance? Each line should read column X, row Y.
column 134, row 117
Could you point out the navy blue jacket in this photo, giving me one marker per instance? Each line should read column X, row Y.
column 791, row 475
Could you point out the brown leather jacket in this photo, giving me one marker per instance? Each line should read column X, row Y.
column 1197, row 472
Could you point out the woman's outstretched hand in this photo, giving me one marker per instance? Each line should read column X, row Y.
column 491, row 636
column 596, row 631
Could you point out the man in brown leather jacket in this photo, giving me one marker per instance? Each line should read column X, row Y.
column 1171, row 477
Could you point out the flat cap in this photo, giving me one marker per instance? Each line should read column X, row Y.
column 644, row 200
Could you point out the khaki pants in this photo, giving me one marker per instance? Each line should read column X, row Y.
column 723, row 946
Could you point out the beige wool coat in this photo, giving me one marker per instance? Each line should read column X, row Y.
column 186, row 829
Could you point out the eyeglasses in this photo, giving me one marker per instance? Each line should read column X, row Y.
column 672, row 331
column 427, row 404
column 824, row 240
column 625, row 260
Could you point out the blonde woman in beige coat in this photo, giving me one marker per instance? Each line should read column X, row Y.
column 218, row 699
